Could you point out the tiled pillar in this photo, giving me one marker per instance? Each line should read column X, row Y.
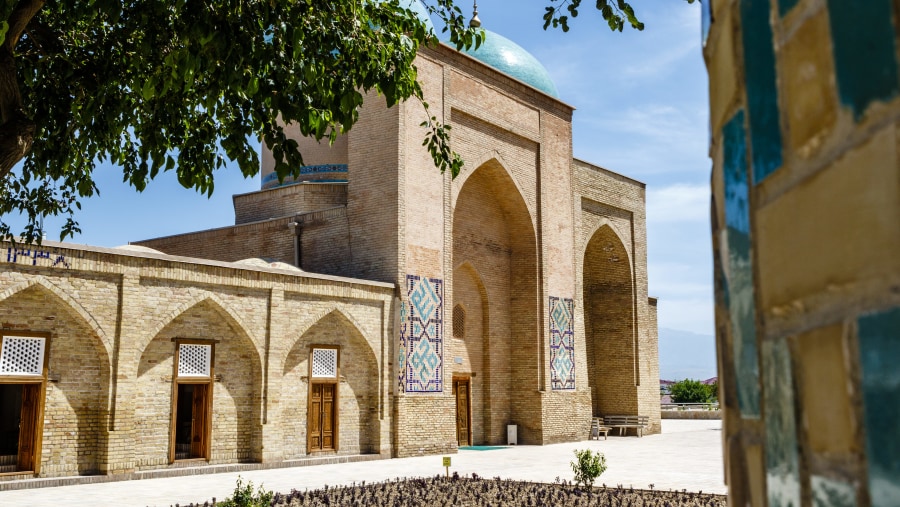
column 804, row 111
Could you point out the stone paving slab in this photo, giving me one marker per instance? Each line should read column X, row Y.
column 686, row 455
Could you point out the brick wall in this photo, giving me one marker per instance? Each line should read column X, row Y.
column 271, row 239
column 611, row 223
column 112, row 316
column 288, row 200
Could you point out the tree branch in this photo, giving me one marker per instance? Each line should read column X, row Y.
column 16, row 128
column 19, row 19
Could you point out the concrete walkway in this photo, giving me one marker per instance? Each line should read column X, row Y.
column 687, row 455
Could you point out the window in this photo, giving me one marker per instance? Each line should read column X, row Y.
column 459, row 322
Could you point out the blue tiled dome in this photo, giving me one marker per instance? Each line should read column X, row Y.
column 510, row 58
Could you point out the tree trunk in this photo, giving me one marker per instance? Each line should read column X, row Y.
column 16, row 128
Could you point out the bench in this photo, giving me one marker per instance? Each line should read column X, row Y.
column 623, row 422
column 597, row 428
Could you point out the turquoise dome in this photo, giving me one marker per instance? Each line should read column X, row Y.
column 511, row 59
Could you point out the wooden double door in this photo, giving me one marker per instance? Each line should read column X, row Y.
column 192, row 421
column 20, row 426
column 322, row 425
column 463, row 393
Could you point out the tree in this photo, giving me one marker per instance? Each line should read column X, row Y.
column 691, row 391
column 184, row 86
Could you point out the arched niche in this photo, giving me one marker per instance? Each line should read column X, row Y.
column 609, row 321
column 75, row 413
column 493, row 237
column 236, row 394
column 358, row 391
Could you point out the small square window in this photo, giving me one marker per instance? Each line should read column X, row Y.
column 324, row 363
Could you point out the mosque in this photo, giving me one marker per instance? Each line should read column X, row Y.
column 370, row 308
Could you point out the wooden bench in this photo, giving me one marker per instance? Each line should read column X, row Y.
column 623, row 422
column 597, row 428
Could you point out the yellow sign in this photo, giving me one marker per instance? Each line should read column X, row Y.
column 446, row 461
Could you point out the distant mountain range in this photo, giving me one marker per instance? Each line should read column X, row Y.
column 683, row 354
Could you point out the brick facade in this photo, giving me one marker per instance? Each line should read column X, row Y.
column 545, row 256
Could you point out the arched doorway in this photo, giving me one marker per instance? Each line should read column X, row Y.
column 495, row 281
column 609, row 325
column 331, row 394
column 52, row 430
column 213, row 404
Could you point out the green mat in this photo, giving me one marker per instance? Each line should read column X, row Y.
column 481, row 447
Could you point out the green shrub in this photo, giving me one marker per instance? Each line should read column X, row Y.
column 588, row 466
column 244, row 496
column 692, row 391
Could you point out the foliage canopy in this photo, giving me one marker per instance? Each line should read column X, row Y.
column 693, row 391
column 172, row 85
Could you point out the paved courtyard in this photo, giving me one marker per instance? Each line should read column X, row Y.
column 687, row 455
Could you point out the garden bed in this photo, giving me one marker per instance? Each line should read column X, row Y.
column 476, row 491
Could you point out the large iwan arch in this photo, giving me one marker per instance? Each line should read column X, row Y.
column 493, row 236
column 609, row 323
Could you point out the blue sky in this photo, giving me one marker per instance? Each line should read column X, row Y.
column 642, row 110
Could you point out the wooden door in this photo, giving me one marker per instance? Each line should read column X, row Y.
column 322, row 425
column 463, row 427
column 200, row 421
column 28, row 427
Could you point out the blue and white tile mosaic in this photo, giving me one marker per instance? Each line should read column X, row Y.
column 562, row 344
column 782, row 452
column 422, row 335
column 830, row 493
column 737, row 266
column 325, row 173
column 401, row 347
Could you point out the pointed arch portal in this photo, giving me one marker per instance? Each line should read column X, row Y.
column 609, row 322
column 495, row 281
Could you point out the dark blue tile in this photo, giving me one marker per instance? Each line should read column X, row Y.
column 785, row 6
column 762, row 93
column 879, row 350
column 737, row 267
column 865, row 62
column 782, row 455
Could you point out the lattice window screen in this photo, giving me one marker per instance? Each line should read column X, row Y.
column 194, row 360
column 324, row 363
column 459, row 322
column 22, row 356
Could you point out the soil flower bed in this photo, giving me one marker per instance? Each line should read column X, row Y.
column 477, row 491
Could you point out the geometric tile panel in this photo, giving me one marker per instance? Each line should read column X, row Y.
column 423, row 334
column 562, row 344
column 194, row 360
column 324, row 363
column 401, row 347
column 22, row 356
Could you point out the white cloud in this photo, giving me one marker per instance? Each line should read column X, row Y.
column 662, row 62
column 681, row 202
